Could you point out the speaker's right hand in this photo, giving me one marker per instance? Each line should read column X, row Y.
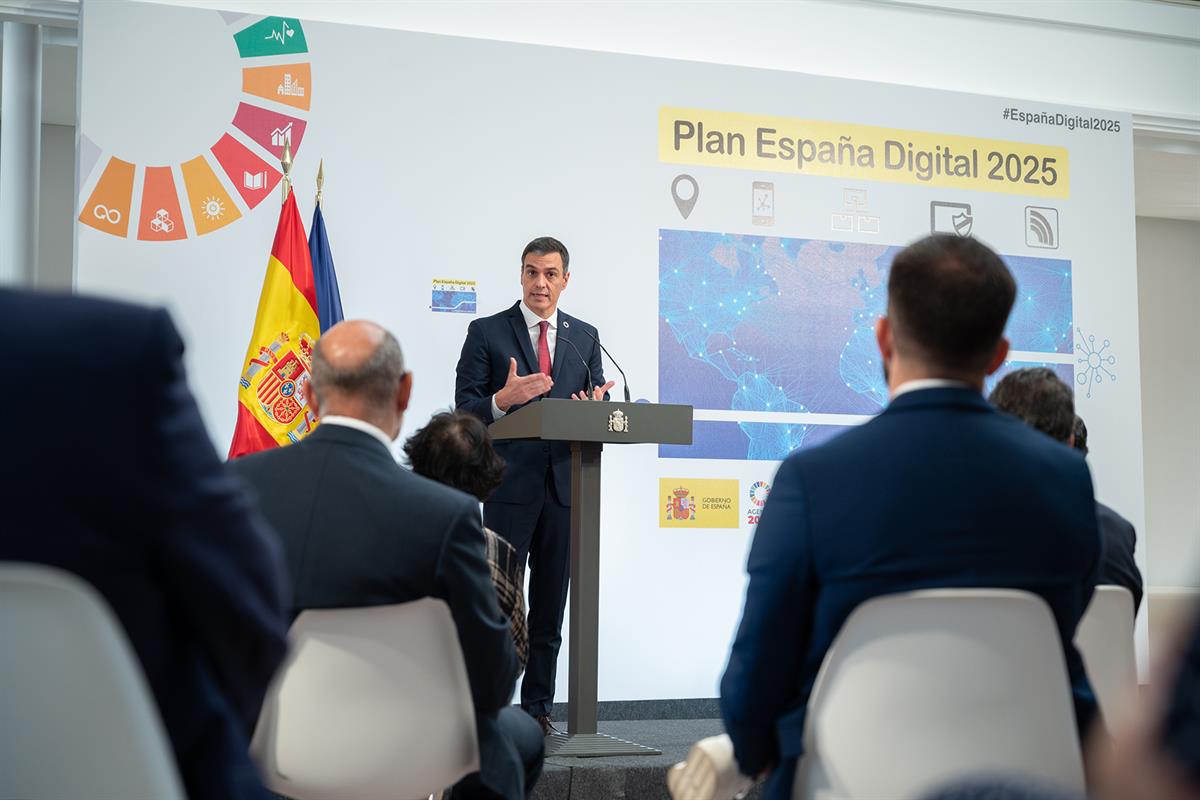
column 521, row 389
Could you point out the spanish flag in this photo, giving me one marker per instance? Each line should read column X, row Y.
column 272, row 406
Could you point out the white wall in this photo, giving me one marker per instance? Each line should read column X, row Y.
column 1129, row 55
column 1168, row 292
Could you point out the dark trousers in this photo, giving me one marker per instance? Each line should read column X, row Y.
column 541, row 531
column 524, row 736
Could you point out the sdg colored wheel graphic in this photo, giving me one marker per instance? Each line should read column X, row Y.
column 275, row 99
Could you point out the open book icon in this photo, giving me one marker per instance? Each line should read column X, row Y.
column 254, row 180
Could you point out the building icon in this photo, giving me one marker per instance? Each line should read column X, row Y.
column 289, row 88
column 281, row 136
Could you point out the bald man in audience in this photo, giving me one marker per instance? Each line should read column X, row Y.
column 938, row 491
column 359, row 530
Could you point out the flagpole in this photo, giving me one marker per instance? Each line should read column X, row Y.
column 286, row 163
column 320, row 180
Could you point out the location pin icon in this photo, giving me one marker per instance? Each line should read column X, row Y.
column 685, row 204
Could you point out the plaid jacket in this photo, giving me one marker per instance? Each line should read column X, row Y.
column 509, row 576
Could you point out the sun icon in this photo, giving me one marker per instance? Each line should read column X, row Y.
column 213, row 208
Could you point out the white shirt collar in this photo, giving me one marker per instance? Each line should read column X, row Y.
column 927, row 383
column 532, row 319
column 359, row 425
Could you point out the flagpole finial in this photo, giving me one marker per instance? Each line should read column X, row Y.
column 320, row 180
column 286, row 163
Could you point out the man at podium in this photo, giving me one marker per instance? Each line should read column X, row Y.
column 518, row 356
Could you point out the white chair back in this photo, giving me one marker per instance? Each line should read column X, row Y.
column 926, row 687
column 372, row 704
column 1171, row 613
column 1105, row 640
column 76, row 716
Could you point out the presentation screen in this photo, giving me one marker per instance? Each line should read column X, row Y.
column 730, row 230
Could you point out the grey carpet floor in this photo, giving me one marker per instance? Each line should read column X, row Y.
column 626, row 777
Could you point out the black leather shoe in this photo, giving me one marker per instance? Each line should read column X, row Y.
column 547, row 726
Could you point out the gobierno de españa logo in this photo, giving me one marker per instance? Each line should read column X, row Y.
column 698, row 503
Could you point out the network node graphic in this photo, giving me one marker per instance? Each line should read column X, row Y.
column 1094, row 362
column 245, row 151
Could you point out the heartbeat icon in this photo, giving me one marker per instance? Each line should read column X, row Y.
column 280, row 35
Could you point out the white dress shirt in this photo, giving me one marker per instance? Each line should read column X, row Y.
column 927, row 383
column 533, row 324
column 359, row 425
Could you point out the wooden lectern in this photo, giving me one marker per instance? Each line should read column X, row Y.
column 588, row 425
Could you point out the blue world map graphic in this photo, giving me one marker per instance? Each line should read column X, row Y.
column 757, row 323
column 452, row 302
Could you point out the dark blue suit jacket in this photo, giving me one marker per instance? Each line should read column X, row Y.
column 373, row 533
column 483, row 369
column 939, row 490
column 1118, row 566
column 110, row 474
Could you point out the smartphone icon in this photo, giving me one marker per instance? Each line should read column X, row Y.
column 762, row 203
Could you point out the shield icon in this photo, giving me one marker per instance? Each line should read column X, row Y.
column 962, row 223
column 946, row 217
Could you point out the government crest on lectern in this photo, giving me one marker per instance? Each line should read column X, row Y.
column 618, row 422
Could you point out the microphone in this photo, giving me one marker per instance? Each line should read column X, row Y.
column 613, row 360
column 586, row 368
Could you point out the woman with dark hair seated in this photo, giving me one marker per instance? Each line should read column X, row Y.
column 455, row 448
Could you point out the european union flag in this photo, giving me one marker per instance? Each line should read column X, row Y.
column 329, row 299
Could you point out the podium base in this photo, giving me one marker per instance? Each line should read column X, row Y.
column 594, row 745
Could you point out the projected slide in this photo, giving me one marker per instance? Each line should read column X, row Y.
column 786, row 326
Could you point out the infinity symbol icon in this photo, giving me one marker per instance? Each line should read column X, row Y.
column 113, row 215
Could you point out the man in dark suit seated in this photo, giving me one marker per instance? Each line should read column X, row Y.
column 111, row 475
column 1038, row 397
column 1117, row 536
column 359, row 530
column 938, row 491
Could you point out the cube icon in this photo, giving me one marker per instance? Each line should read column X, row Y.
column 162, row 222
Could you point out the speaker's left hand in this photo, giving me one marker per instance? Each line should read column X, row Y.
column 598, row 392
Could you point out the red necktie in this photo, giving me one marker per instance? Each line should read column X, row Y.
column 544, row 349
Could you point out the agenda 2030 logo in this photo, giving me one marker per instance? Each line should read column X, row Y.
column 698, row 503
column 759, row 491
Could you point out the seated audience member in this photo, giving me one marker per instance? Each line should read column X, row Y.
column 1153, row 753
column 455, row 448
column 1117, row 536
column 1155, row 749
column 360, row 530
column 111, row 475
column 937, row 491
column 1037, row 396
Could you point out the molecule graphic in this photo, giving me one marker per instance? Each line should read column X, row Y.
column 1095, row 362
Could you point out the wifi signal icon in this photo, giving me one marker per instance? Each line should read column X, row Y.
column 1041, row 227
